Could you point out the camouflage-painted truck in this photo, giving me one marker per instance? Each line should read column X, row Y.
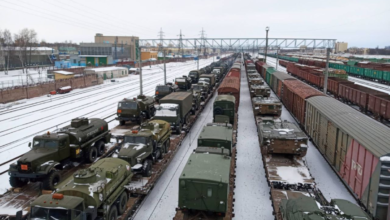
column 97, row 192
column 144, row 146
column 175, row 108
column 136, row 109
column 83, row 139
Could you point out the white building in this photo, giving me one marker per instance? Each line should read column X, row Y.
column 109, row 72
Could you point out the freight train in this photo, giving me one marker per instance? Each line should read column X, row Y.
column 356, row 146
column 88, row 187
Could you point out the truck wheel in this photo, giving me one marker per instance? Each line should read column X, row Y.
column 147, row 168
column 100, row 146
column 178, row 129
column 113, row 214
column 122, row 203
column 91, row 154
column 17, row 182
column 51, row 180
column 122, row 122
column 158, row 154
column 167, row 145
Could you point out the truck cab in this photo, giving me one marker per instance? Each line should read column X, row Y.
column 201, row 89
column 194, row 75
column 217, row 73
column 184, row 83
column 163, row 90
column 170, row 112
column 136, row 109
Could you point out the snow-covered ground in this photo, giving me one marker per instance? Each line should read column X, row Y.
column 252, row 191
column 327, row 180
column 17, row 77
column 20, row 123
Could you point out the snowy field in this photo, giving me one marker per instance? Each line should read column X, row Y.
column 20, row 123
column 17, row 77
column 327, row 180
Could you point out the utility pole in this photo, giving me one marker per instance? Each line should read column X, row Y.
column 326, row 70
column 116, row 42
column 140, row 71
column 181, row 43
column 197, row 56
column 161, row 36
column 266, row 45
column 202, row 37
column 165, row 71
column 277, row 58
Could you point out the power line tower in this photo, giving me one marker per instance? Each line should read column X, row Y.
column 203, row 41
column 161, row 36
column 181, row 43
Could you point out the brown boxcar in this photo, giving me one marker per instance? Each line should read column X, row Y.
column 379, row 105
column 357, row 94
column 235, row 74
column 259, row 65
column 356, row 146
column 334, row 84
column 277, row 82
column 294, row 95
column 264, row 70
column 231, row 86
column 316, row 79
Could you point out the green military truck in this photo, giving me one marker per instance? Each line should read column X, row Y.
column 97, row 192
column 194, row 75
column 183, row 83
column 163, row 90
column 175, row 108
column 209, row 78
column 281, row 137
column 83, row 139
column 196, row 100
column 224, row 109
column 308, row 208
column 136, row 109
column 216, row 138
column 142, row 147
column 218, row 74
column 201, row 89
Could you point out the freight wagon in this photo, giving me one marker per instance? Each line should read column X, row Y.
column 357, row 147
column 277, row 82
column 231, row 86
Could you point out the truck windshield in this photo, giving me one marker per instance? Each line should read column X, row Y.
column 167, row 110
column 45, row 143
column 127, row 105
column 51, row 214
column 135, row 139
column 180, row 80
column 193, row 73
column 205, row 80
column 162, row 88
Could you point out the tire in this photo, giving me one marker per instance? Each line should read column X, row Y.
column 178, row 129
column 147, row 168
column 218, row 110
column 122, row 122
column 51, row 180
column 100, row 147
column 167, row 145
column 122, row 203
column 92, row 154
column 159, row 154
column 141, row 119
column 17, row 182
column 113, row 214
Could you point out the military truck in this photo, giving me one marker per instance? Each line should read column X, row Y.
column 308, row 208
column 145, row 145
column 260, row 91
column 83, row 139
column 267, row 106
column 218, row 74
column 175, row 108
column 216, row 138
column 97, row 192
column 224, row 109
column 163, row 90
column 194, row 75
column 136, row 109
column 196, row 100
column 202, row 89
column 281, row 137
column 210, row 77
column 207, row 85
column 184, row 83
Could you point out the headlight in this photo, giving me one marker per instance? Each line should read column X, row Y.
column 139, row 160
column 173, row 123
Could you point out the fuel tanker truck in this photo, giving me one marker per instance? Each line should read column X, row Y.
column 97, row 192
column 144, row 146
column 83, row 139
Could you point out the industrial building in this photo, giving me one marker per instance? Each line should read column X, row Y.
column 147, row 55
column 61, row 74
column 341, row 47
column 109, row 72
column 128, row 43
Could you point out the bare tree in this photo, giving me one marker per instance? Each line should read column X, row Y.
column 8, row 47
column 24, row 41
column 32, row 41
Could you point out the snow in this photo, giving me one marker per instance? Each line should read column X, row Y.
column 63, row 72
column 65, row 87
column 20, row 123
column 288, row 174
column 386, row 158
column 252, row 190
column 110, row 68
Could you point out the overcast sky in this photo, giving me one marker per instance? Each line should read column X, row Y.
column 362, row 23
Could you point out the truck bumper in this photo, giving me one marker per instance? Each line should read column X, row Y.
column 27, row 175
column 127, row 118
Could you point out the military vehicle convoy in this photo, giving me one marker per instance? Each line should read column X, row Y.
column 163, row 90
column 267, row 106
column 175, row 108
column 224, row 109
column 83, row 139
column 201, row 89
column 183, row 83
column 97, row 192
column 136, row 109
column 194, row 75
column 144, row 146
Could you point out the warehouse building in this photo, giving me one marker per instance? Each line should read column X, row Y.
column 61, row 74
column 148, row 55
column 109, row 72
column 128, row 43
column 341, row 47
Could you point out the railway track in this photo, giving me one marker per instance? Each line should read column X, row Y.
column 368, row 83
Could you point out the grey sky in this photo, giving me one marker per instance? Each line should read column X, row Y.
column 361, row 23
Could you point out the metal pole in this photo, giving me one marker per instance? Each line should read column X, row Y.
column 165, row 71
column 266, row 45
column 140, row 72
column 326, row 70
column 277, row 58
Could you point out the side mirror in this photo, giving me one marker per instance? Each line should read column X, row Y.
column 29, row 144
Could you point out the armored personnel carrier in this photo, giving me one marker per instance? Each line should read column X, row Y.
column 136, row 109
column 260, row 91
column 83, row 139
column 267, row 106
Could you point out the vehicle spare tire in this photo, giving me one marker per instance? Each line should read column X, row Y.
column 218, row 110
